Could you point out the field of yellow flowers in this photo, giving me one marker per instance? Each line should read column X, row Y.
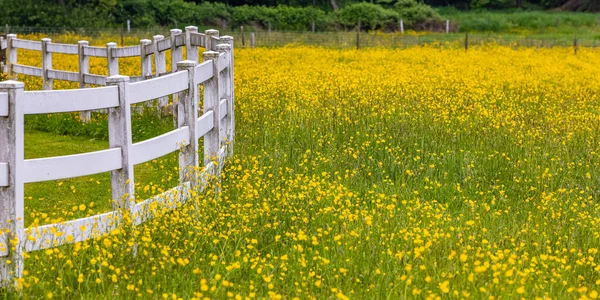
column 427, row 172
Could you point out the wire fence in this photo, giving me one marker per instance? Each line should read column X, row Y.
column 331, row 39
column 398, row 40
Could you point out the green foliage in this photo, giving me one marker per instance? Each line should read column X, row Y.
column 371, row 16
column 492, row 3
column 211, row 13
column 294, row 14
column 280, row 17
column 138, row 11
column 143, row 13
column 582, row 5
column 413, row 12
column 517, row 20
column 72, row 13
column 298, row 18
column 144, row 126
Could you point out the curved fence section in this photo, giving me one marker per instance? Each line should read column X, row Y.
column 215, row 125
column 148, row 51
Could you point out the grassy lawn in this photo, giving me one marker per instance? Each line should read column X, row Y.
column 55, row 201
column 522, row 21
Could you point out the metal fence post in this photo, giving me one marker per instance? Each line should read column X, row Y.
column 358, row 36
column 242, row 32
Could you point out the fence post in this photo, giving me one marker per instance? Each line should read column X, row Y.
column 225, row 90
column 176, row 56
column 231, row 101
column 12, row 195
column 145, row 57
column 252, row 39
column 2, row 62
column 212, row 143
column 208, row 42
column 358, row 36
column 46, row 64
column 84, row 68
column 187, row 115
column 112, row 62
column 176, row 52
column 575, row 44
column 401, row 26
column 447, row 26
column 160, row 64
column 191, row 51
column 466, row 41
column 313, row 25
column 242, row 30
column 11, row 55
column 119, row 136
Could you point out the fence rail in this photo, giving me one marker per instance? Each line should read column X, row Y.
column 215, row 125
column 147, row 50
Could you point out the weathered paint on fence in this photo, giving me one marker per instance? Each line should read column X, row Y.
column 191, row 39
column 47, row 102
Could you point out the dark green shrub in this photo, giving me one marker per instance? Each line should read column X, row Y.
column 413, row 12
column 280, row 17
column 371, row 16
column 247, row 15
column 297, row 18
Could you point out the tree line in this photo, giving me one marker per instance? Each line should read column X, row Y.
column 260, row 14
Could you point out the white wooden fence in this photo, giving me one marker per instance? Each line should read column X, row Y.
column 215, row 124
column 147, row 50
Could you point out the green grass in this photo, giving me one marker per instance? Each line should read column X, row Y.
column 377, row 179
column 64, row 135
column 542, row 23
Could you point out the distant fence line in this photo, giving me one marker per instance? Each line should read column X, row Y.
column 393, row 40
column 147, row 50
column 215, row 125
column 346, row 39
